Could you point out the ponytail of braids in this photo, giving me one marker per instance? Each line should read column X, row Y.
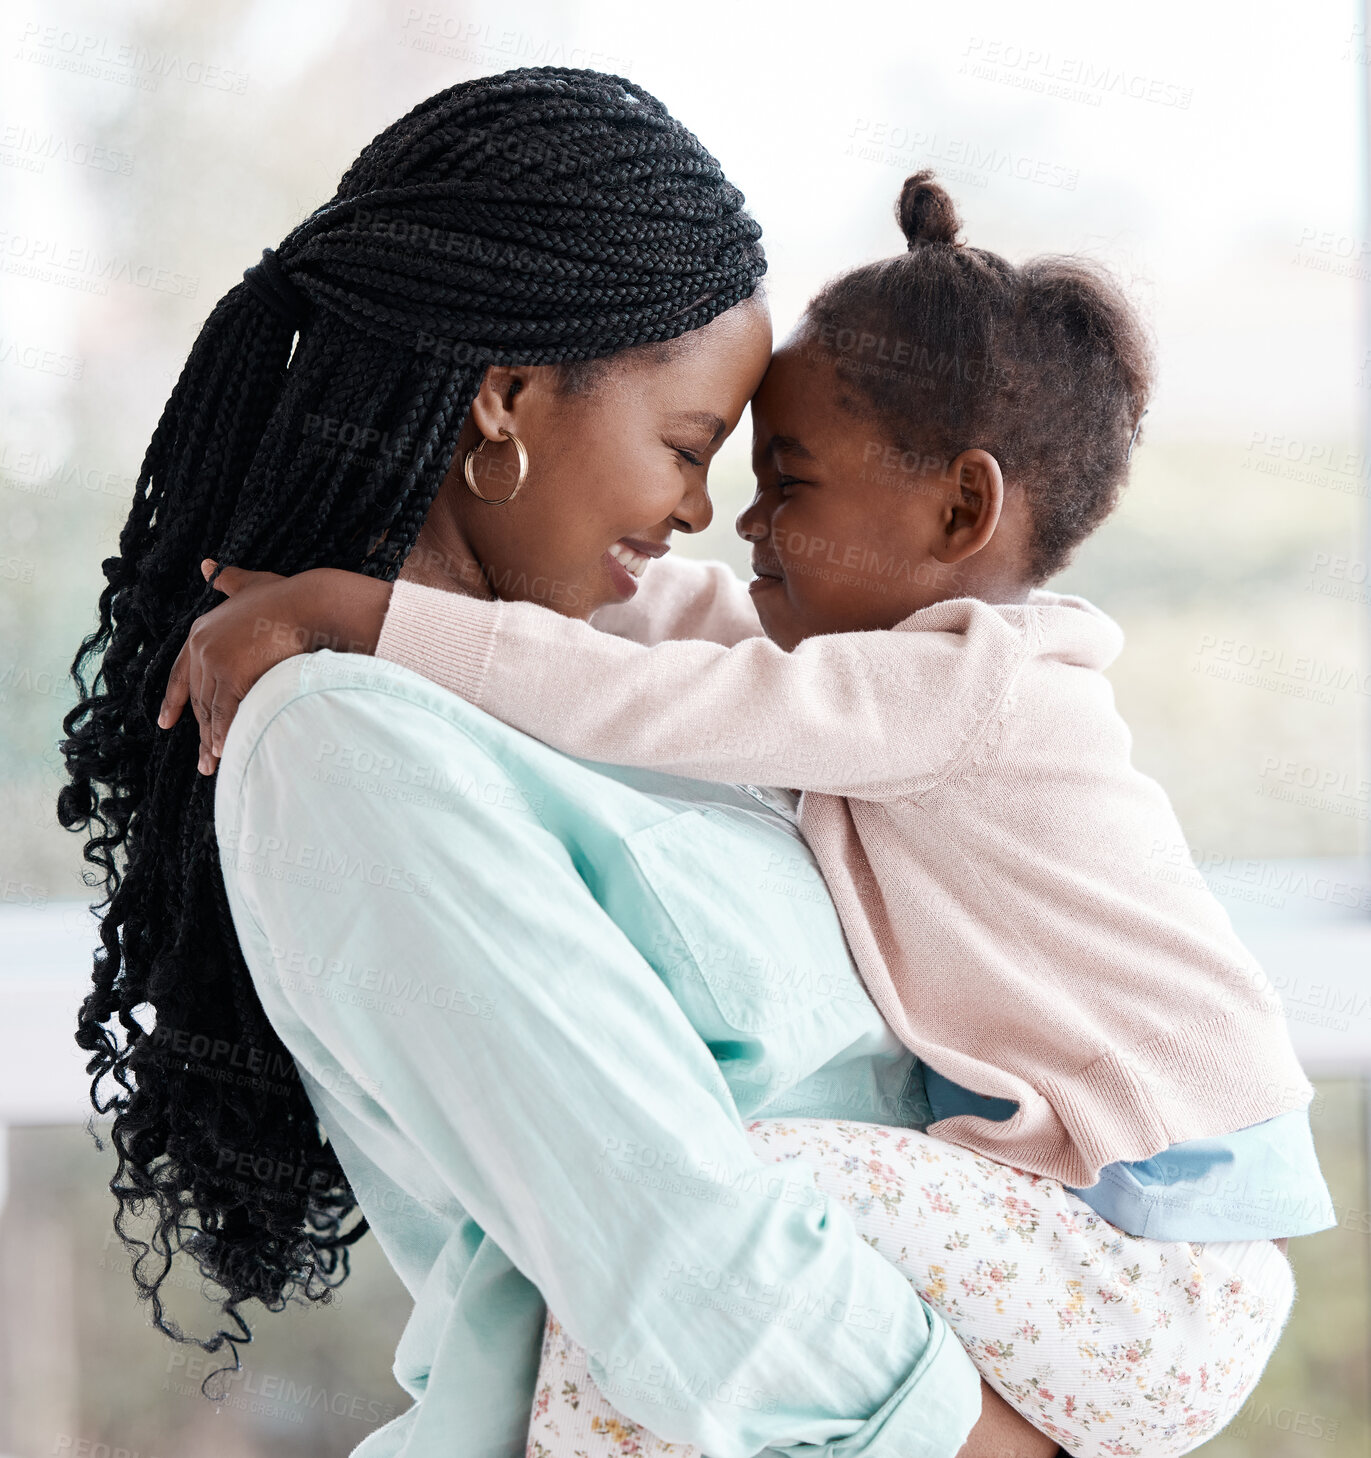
column 540, row 216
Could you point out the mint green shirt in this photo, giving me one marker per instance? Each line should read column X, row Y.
column 533, row 1002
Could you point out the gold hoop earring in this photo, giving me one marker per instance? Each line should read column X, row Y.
column 476, row 451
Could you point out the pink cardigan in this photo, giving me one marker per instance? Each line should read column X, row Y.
column 1018, row 897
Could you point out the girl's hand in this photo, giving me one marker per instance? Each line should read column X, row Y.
column 267, row 619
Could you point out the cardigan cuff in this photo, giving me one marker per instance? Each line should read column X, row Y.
column 446, row 637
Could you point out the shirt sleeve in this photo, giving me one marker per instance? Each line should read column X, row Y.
column 869, row 715
column 1258, row 1183
column 682, row 598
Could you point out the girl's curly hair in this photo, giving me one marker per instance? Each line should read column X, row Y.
column 1045, row 364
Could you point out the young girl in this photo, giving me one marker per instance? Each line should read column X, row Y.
column 1120, row 1118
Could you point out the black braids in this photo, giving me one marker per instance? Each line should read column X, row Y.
column 283, row 470
column 353, row 512
column 284, row 495
column 542, row 216
column 402, row 525
column 366, row 405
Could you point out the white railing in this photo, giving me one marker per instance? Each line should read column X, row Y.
column 1302, row 919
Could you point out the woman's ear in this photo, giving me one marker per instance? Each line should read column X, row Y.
column 493, row 406
column 974, row 513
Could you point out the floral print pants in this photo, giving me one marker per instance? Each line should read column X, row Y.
column 1109, row 1343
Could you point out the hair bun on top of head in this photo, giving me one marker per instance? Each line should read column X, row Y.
column 925, row 212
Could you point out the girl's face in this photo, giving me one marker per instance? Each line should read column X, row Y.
column 613, row 469
column 851, row 532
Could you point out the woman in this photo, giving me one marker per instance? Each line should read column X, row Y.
column 527, row 1096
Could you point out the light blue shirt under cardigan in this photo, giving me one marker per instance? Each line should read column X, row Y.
column 1262, row 1182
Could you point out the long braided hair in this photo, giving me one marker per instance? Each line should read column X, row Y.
column 540, row 216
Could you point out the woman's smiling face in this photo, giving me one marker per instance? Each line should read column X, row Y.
column 614, row 468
